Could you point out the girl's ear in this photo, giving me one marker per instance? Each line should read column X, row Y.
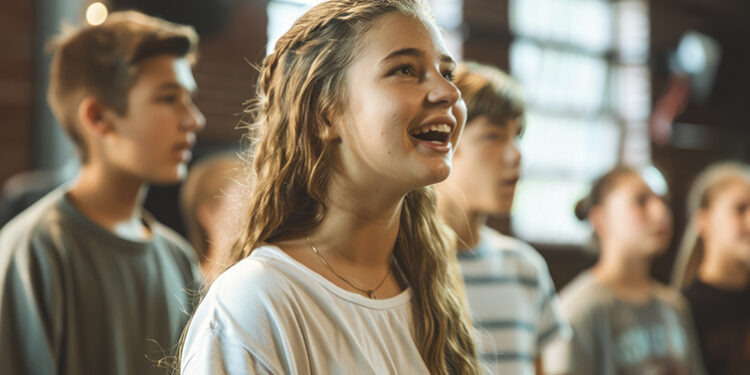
column 206, row 217
column 329, row 133
column 596, row 218
column 701, row 221
column 95, row 117
column 330, row 130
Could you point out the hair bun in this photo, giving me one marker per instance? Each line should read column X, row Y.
column 582, row 208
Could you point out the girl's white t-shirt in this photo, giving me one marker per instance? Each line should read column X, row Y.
column 269, row 314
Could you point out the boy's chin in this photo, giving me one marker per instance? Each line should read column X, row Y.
column 491, row 210
column 169, row 178
column 655, row 249
column 500, row 207
column 744, row 258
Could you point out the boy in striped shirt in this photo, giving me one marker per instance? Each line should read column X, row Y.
column 511, row 296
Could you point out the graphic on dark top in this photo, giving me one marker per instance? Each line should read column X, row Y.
column 722, row 321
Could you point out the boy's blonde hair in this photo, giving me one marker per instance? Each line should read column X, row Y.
column 490, row 92
column 102, row 62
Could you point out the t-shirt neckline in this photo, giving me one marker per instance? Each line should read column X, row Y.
column 480, row 250
column 134, row 245
column 278, row 255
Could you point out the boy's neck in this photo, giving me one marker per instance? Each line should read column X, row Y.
column 112, row 200
column 465, row 223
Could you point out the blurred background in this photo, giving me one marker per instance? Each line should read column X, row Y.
column 662, row 82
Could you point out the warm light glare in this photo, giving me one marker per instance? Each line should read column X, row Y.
column 96, row 13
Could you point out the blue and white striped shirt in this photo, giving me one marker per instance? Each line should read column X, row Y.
column 512, row 301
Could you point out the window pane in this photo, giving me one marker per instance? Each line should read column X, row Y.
column 447, row 13
column 281, row 16
column 633, row 30
column 636, row 146
column 559, row 81
column 449, row 16
column 543, row 210
column 585, row 24
column 632, row 92
column 573, row 148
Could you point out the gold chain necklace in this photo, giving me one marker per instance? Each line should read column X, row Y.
column 369, row 292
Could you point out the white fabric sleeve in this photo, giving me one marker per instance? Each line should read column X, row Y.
column 212, row 353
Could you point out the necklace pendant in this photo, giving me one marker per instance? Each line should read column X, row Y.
column 371, row 294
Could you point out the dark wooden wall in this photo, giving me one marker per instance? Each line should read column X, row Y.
column 224, row 75
column 487, row 31
column 724, row 115
column 16, row 86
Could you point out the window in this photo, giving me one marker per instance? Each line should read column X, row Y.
column 582, row 66
column 281, row 17
column 449, row 17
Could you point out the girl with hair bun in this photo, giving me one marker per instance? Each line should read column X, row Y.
column 625, row 322
column 713, row 266
column 343, row 266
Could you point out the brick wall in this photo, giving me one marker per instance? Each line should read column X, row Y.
column 16, row 85
column 225, row 79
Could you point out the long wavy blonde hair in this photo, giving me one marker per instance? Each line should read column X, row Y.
column 302, row 87
column 705, row 188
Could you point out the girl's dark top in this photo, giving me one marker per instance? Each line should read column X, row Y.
column 722, row 320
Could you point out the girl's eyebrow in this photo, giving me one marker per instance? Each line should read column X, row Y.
column 415, row 52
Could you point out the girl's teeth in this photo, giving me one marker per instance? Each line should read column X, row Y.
column 443, row 128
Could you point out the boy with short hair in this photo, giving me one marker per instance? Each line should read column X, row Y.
column 89, row 282
column 510, row 293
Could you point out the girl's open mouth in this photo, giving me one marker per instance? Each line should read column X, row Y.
column 436, row 133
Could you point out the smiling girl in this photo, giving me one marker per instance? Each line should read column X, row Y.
column 343, row 266
column 625, row 322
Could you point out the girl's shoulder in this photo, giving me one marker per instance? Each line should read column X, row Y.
column 264, row 271
column 669, row 296
column 256, row 289
column 584, row 287
column 249, row 306
column 584, row 297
